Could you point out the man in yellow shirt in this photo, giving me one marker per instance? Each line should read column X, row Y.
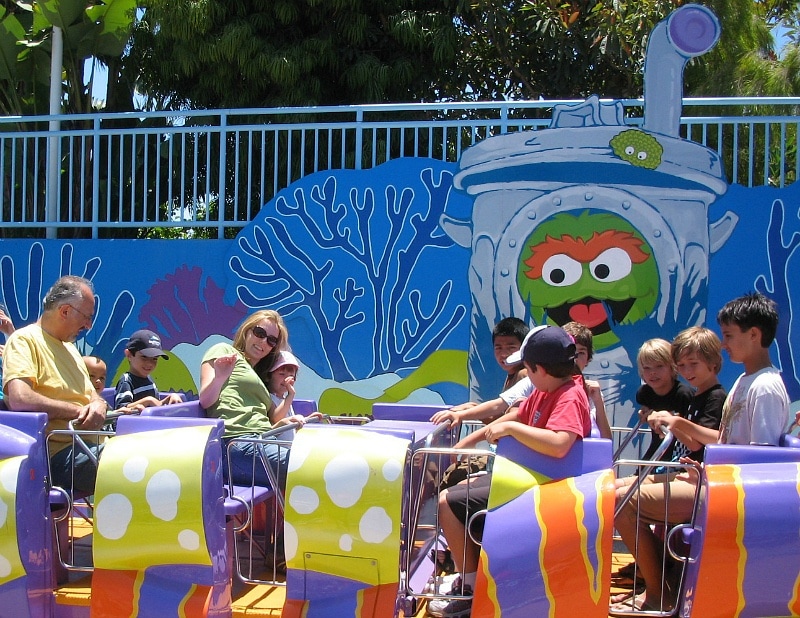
column 44, row 372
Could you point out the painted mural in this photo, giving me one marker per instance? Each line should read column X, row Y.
column 391, row 279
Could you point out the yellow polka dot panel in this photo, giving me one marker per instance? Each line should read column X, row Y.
column 343, row 499
column 149, row 501
column 10, row 562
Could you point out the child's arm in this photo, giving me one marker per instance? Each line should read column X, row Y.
column 693, row 436
column 280, row 411
column 123, row 395
column 482, row 411
column 480, row 434
column 596, row 395
column 545, row 441
column 464, row 406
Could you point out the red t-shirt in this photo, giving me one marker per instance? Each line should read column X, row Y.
column 564, row 409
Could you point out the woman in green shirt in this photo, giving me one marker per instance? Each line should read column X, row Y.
column 233, row 388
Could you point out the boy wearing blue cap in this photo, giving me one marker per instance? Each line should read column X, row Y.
column 549, row 421
column 135, row 388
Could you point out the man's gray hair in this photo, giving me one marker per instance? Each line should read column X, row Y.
column 67, row 288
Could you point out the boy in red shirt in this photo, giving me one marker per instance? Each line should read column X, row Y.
column 549, row 421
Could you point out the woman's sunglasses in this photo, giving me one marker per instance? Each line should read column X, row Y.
column 262, row 334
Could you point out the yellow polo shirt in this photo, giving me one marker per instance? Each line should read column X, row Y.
column 54, row 368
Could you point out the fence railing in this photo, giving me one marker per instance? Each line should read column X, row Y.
column 207, row 173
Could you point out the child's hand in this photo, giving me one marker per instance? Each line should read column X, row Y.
column 133, row 408
column 495, row 431
column 6, row 325
column 690, row 475
column 644, row 412
column 296, row 419
column 288, row 382
column 451, row 415
column 659, row 418
column 171, row 398
column 593, row 390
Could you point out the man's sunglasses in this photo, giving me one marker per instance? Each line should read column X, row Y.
column 262, row 334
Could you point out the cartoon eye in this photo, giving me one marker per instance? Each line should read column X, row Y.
column 629, row 150
column 641, row 155
column 611, row 265
column 561, row 270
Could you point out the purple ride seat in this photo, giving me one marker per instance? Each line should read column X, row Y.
column 405, row 411
column 304, row 406
column 22, row 434
column 134, row 585
column 750, row 454
column 546, row 539
column 587, row 455
column 187, row 409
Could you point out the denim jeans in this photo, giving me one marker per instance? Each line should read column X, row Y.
column 72, row 469
column 245, row 472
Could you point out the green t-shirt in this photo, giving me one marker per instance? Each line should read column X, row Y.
column 244, row 400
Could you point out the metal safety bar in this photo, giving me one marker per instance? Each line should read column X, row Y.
column 639, row 427
column 419, row 578
column 666, row 528
column 66, row 546
column 256, row 543
column 645, row 468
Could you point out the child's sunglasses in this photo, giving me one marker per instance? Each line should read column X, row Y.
column 262, row 334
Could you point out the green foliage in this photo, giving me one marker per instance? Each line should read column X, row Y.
column 96, row 29
column 527, row 49
column 253, row 53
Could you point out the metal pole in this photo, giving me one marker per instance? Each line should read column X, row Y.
column 56, row 57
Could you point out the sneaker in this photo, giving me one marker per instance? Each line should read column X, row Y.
column 441, row 584
column 460, row 608
column 452, row 608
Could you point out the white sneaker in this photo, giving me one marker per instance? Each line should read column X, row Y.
column 441, row 584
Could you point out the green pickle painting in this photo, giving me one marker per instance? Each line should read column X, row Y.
column 638, row 148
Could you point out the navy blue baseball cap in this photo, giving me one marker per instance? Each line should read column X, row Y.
column 146, row 342
column 545, row 345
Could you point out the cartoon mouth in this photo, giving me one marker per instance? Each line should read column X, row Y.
column 597, row 315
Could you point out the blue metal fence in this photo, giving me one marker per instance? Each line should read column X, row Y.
column 207, row 173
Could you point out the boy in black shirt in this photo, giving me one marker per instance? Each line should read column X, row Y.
column 135, row 388
column 661, row 389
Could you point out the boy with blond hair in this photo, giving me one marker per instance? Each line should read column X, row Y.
column 661, row 389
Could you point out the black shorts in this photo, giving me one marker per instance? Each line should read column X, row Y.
column 466, row 499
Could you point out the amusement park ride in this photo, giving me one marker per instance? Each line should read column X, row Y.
column 167, row 533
